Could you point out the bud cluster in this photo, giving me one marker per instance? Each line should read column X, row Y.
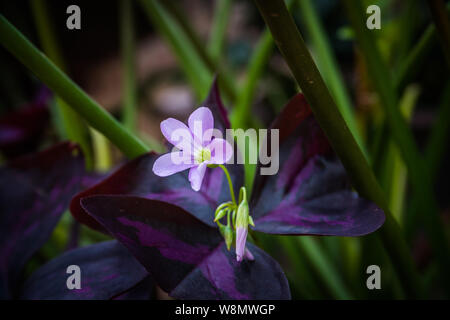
column 236, row 227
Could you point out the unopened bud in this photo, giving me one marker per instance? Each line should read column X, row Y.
column 242, row 219
column 228, row 235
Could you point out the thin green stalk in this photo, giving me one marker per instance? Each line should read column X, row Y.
column 409, row 68
column 299, row 60
column 73, row 125
column 240, row 115
column 230, row 183
column 434, row 151
column 413, row 63
column 185, row 30
column 395, row 172
column 63, row 86
column 328, row 67
column 300, row 272
column 194, row 68
column 219, row 28
column 102, row 152
column 402, row 135
column 442, row 22
column 128, row 63
column 324, row 267
column 241, row 112
column 225, row 80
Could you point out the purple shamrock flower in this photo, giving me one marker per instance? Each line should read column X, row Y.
column 170, row 228
column 196, row 147
column 35, row 190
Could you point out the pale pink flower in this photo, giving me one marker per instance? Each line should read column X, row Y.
column 195, row 147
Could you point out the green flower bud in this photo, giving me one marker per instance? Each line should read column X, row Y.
column 220, row 214
column 222, row 210
column 228, row 235
column 242, row 216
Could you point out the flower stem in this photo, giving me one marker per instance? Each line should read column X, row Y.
column 329, row 67
column 230, row 184
column 16, row 43
column 417, row 167
column 291, row 44
column 74, row 128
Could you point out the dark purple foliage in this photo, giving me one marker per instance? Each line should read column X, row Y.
column 311, row 194
column 34, row 192
column 187, row 258
column 21, row 131
column 107, row 270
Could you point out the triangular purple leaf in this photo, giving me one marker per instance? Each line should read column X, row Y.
column 107, row 270
column 311, row 194
column 187, row 258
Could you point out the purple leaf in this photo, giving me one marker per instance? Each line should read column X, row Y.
column 21, row 130
column 187, row 258
column 311, row 194
column 136, row 178
column 214, row 102
column 34, row 192
column 107, row 270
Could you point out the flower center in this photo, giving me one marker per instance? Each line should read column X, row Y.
column 203, row 154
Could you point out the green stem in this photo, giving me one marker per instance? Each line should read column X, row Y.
column 441, row 20
column 102, row 152
column 299, row 60
column 218, row 31
column 325, row 268
column 410, row 66
column 194, row 67
column 74, row 128
column 194, row 41
column 230, row 183
column 63, row 86
column 402, row 135
column 129, row 67
column 434, row 152
column 328, row 67
column 413, row 63
column 241, row 112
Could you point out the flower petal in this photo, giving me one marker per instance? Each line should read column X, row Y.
column 178, row 134
column 34, row 192
column 196, row 175
column 171, row 163
column 107, row 270
column 201, row 124
column 221, row 151
column 241, row 238
column 185, row 257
